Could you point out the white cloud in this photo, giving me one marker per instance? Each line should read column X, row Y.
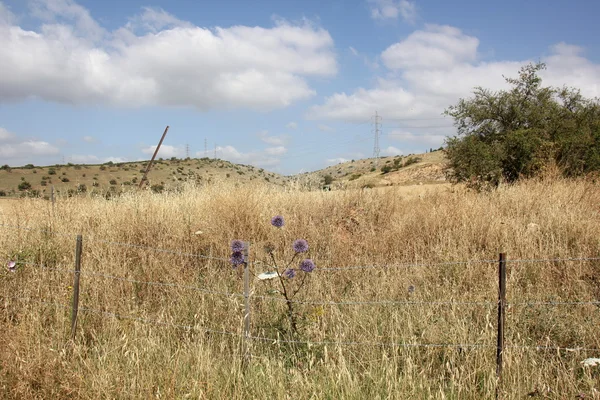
column 6, row 16
column 432, row 69
column 27, row 148
column 118, row 159
column 155, row 20
column 391, row 151
column 249, row 67
column 6, row 136
column 333, row 161
column 292, row 125
column 279, row 140
column 166, row 151
column 391, row 9
column 435, row 47
column 67, row 11
column 420, row 138
column 89, row 139
column 276, row 151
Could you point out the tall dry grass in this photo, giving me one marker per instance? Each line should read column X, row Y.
column 114, row 357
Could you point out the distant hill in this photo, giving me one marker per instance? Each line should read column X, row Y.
column 121, row 177
column 170, row 174
column 427, row 168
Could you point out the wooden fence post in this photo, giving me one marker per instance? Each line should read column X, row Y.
column 501, row 309
column 75, row 307
column 52, row 197
column 246, row 351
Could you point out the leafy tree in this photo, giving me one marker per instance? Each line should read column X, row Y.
column 515, row 133
column 327, row 179
column 24, row 185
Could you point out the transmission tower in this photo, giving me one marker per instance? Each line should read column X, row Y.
column 205, row 148
column 215, row 151
column 187, row 151
column 376, row 131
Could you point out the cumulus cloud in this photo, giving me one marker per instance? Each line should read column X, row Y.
column 333, row 161
column 92, row 159
column 391, row 151
column 427, row 138
column 140, row 63
column 292, row 125
column 274, row 140
column 89, row 139
column 435, row 47
column 391, row 9
column 432, row 69
column 166, row 151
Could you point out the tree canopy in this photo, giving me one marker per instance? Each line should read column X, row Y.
column 510, row 134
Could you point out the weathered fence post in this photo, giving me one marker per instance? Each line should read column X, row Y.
column 52, row 197
column 246, row 351
column 75, row 307
column 501, row 309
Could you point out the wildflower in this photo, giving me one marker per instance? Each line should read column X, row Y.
column 237, row 258
column 307, row 265
column 300, row 246
column 12, row 266
column 277, row 221
column 237, row 245
column 289, row 273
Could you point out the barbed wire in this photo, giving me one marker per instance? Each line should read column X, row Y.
column 165, row 284
column 410, row 265
column 39, row 265
column 158, row 250
column 275, row 341
column 380, row 302
column 554, row 303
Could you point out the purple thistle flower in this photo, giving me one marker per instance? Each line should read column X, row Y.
column 289, row 273
column 307, row 265
column 12, row 266
column 237, row 258
column 300, row 246
column 277, row 221
column 237, row 245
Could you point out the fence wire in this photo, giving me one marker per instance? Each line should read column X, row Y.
column 276, row 340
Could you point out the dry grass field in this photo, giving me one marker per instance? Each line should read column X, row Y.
column 374, row 332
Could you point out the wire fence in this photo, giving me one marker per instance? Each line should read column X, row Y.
column 245, row 334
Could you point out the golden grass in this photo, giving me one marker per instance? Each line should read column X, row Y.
column 125, row 358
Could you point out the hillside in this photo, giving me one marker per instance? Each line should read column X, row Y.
column 413, row 169
column 122, row 177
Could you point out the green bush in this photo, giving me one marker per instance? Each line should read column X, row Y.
column 24, row 185
column 512, row 134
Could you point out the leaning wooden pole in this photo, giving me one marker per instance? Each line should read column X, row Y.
column 75, row 306
column 153, row 157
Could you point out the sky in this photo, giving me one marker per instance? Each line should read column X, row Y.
column 289, row 86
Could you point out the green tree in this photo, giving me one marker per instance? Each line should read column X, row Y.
column 515, row 133
column 327, row 179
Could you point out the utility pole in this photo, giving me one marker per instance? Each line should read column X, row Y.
column 376, row 131
column 205, row 148
column 215, row 151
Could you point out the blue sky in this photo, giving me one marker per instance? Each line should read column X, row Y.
column 288, row 86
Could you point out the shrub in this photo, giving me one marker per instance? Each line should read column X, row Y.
column 64, row 179
column 157, row 188
column 51, row 171
column 113, row 182
column 24, row 185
